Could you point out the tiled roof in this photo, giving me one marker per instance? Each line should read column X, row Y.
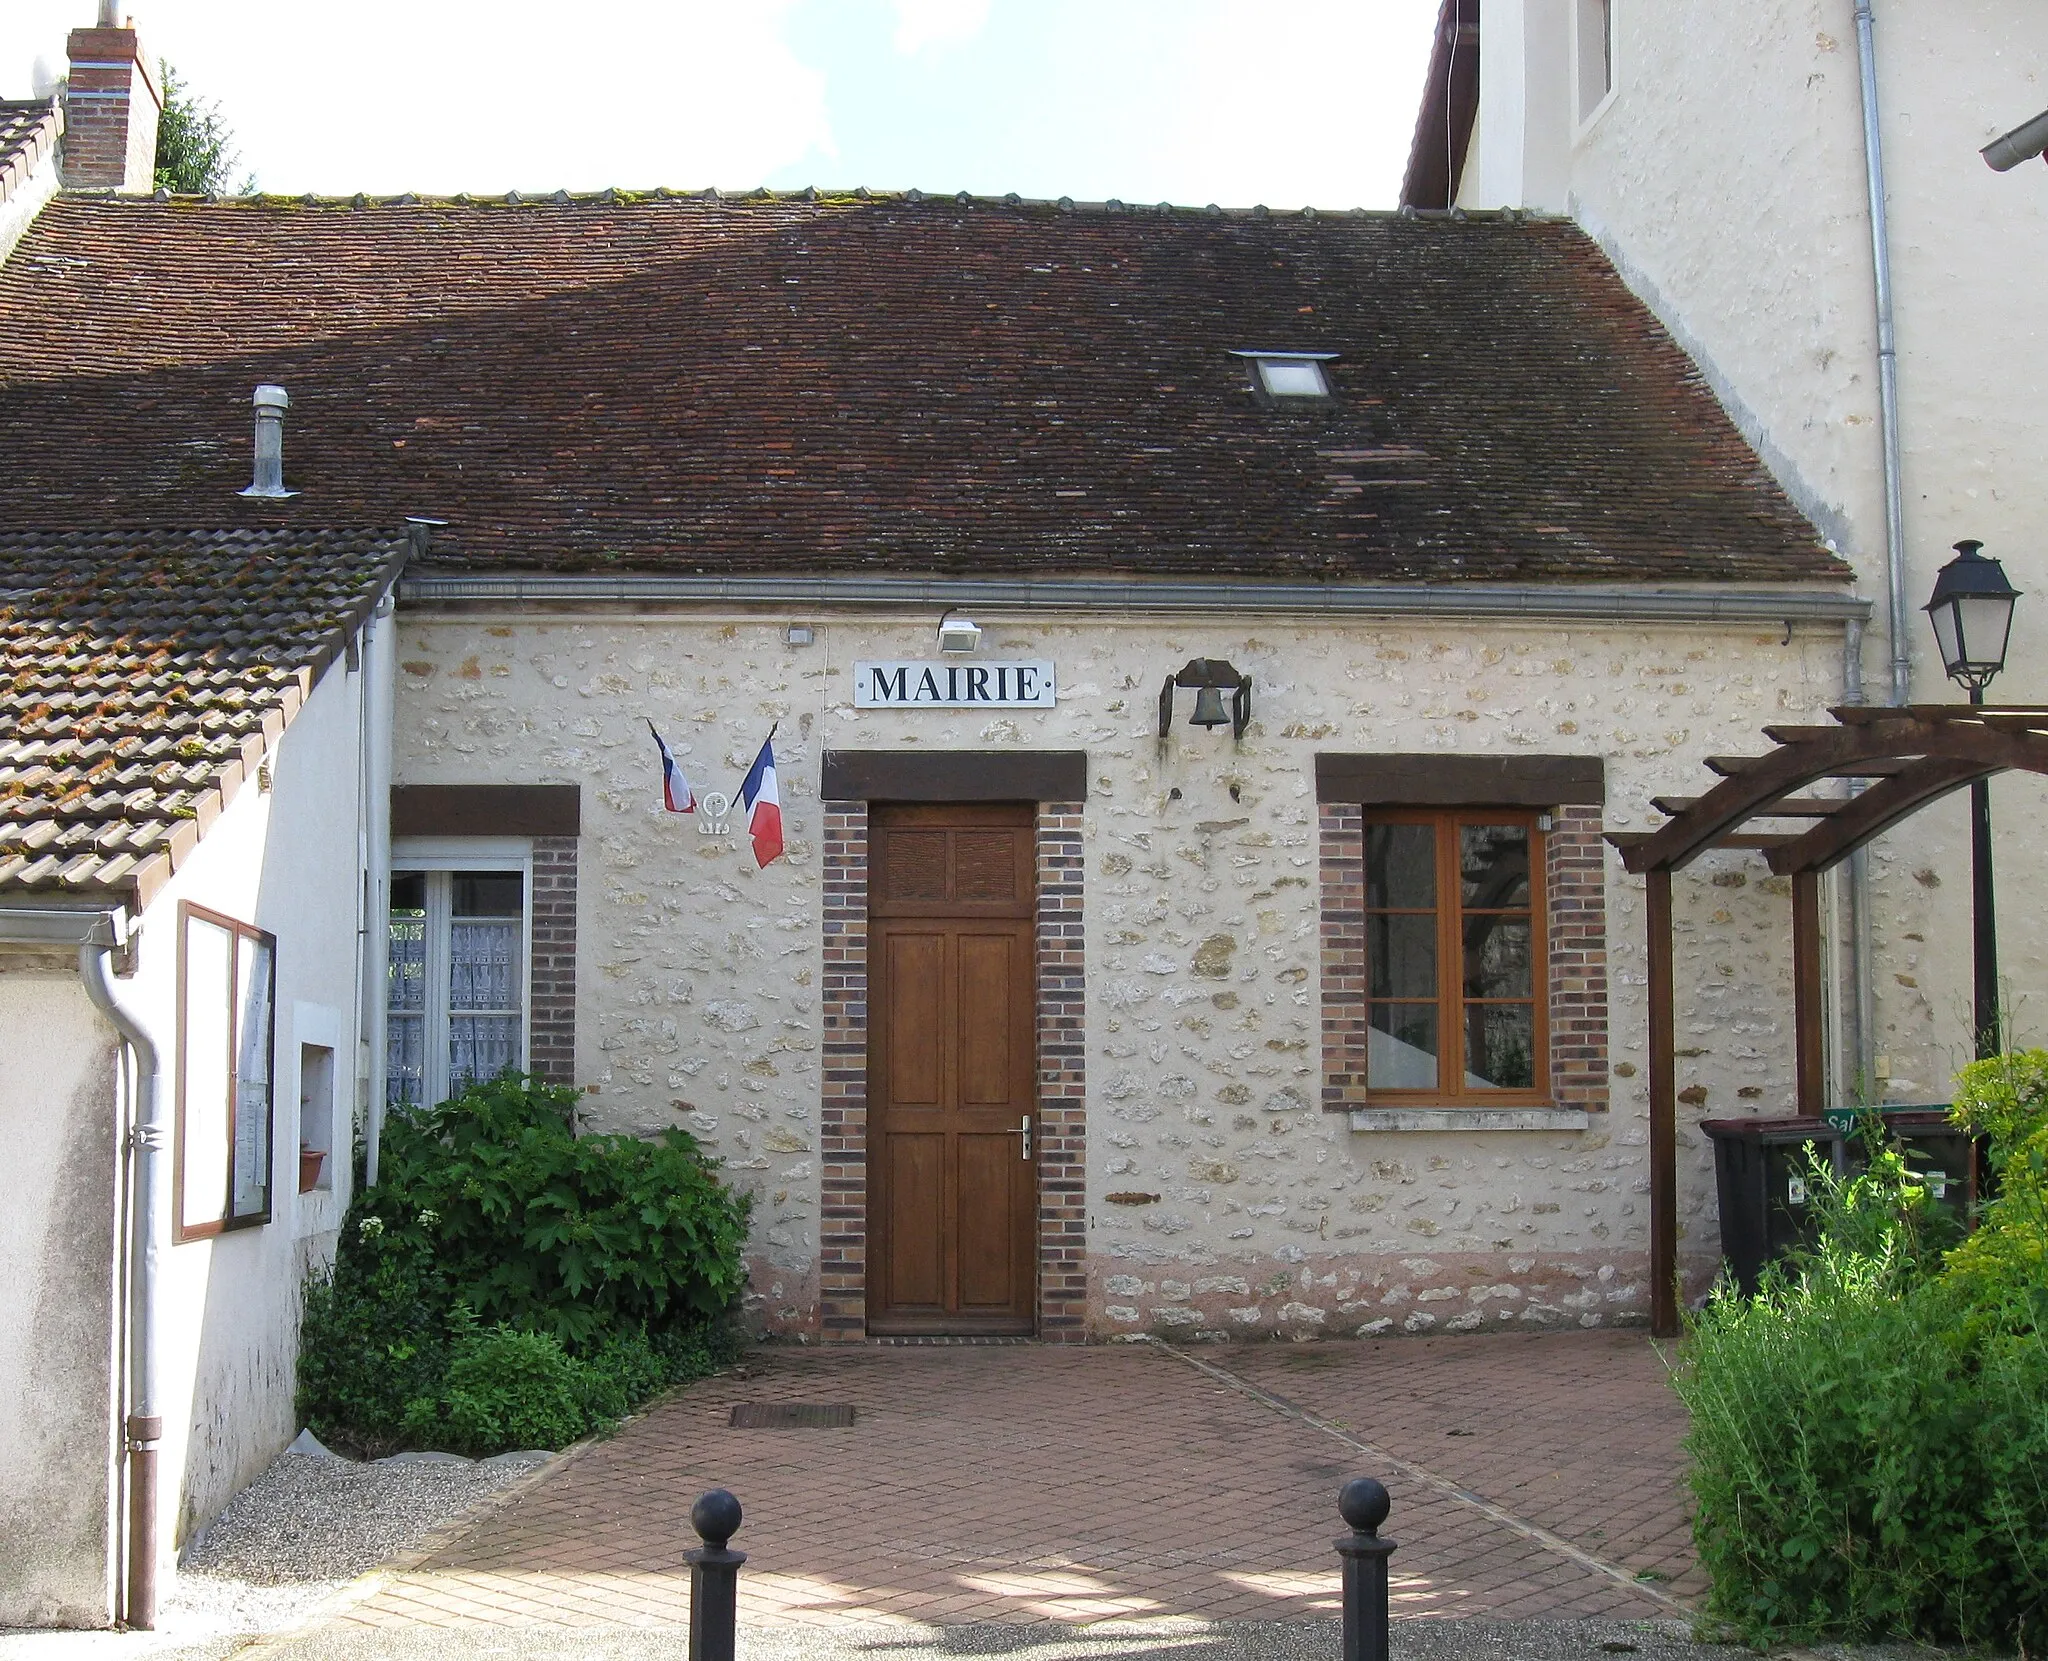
column 28, row 132
column 142, row 677
column 915, row 386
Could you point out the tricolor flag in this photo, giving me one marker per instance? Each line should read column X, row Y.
column 763, row 802
column 676, row 794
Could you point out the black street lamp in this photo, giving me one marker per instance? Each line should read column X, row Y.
column 1971, row 611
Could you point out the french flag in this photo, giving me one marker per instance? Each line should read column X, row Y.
column 763, row 802
column 676, row 794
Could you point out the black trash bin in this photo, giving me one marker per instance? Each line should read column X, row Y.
column 1956, row 1165
column 1761, row 1173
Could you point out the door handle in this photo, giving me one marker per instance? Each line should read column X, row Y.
column 1024, row 1130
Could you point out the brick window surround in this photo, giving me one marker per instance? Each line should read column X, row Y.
column 1062, row 1045
column 1575, row 900
column 551, row 975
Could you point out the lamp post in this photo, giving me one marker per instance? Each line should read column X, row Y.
column 1971, row 611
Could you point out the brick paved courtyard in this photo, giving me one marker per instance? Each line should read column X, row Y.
column 1532, row 1476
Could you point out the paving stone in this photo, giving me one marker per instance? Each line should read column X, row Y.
column 1067, row 1485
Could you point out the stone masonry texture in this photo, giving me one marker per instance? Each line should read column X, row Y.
column 1217, row 1197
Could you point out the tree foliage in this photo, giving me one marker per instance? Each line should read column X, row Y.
column 195, row 147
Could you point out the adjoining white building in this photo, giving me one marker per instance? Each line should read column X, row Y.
column 1726, row 160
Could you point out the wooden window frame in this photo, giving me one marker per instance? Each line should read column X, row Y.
column 228, row 1223
column 1450, row 951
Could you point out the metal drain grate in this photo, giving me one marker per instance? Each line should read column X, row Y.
column 790, row 1415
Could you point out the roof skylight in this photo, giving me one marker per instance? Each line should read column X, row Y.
column 1277, row 375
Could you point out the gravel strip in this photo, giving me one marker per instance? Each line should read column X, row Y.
column 315, row 1518
column 305, row 1528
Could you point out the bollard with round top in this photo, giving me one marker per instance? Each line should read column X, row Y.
column 714, row 1577
column 1364, row 1505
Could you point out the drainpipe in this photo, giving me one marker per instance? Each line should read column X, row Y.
column 152, row 1141
column 380, row 652
column 1887, row 364
column 1865, row 1046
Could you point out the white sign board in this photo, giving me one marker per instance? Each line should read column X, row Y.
column 901, row 685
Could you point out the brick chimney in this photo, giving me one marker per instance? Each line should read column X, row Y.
column 110, row 111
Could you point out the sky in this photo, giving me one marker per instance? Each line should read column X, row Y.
column 1285, row 102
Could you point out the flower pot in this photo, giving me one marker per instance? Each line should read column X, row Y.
column 310, row 1161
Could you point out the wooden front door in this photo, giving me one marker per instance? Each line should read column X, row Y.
column 952, row 1069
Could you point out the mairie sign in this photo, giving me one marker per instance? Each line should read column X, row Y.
column 953, row 686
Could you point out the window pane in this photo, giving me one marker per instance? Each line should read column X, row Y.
column 481, row 1047
column 1400, row 867
column 1293, row 380
column 252, row 1079
column 1494, row 863
column 485, row 893
column 405, row 1060
column 1500, row 1046
column 1400, row 951
column 1497, row 957
column 408, row 961
column 206, row 1046
column 408, row 891
column 481, row 960
column 1401, row 1047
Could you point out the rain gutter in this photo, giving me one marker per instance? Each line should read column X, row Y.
column 1549, row 601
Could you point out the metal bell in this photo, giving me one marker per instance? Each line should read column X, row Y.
column 1209, row 710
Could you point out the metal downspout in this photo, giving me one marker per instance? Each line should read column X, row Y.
column 380, row 651
column 1887, row 364
column 1865, row 1047
column 145, row 1426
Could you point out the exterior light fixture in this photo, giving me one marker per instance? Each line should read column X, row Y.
column 958, row 635
column 1971, row 611
column 1972, row 616
column 1209, row 678
column 799, row 634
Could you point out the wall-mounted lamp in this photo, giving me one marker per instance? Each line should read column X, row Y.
column 1210, row 678
column 799, row 634
column 958, row 635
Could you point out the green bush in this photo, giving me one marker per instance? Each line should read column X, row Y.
column 509, row 1284
column 506, row 1389
column 1869, row 1433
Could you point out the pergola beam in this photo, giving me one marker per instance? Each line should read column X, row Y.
column 1917, row 754
column 1872, row 814
column 1786, row 807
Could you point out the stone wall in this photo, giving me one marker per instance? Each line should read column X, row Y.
column 710, row 992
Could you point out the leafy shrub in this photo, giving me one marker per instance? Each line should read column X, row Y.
column 509, row 1284
column 548, row 1230
column 506, row 1389
column 1869, row 1433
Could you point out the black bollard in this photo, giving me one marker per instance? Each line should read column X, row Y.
column 715, row 1577
column 1364, row 1505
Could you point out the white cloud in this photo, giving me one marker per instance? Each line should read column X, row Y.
column 922, row 23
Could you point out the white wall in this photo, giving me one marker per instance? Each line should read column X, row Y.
column 1726, row 179
column 284, row 859
column 58, row 1117
column 698, row 976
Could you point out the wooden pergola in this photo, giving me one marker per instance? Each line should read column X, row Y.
column 1903, row 759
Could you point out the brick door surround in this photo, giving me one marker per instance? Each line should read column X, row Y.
column 1062, row 1092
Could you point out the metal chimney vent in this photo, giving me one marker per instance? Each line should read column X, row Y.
column 271, row 403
